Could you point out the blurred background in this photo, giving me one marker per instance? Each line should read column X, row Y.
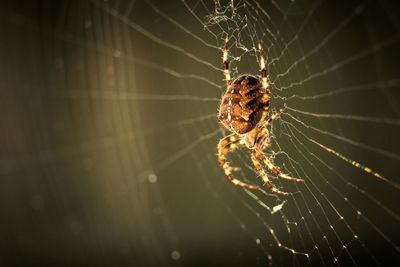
column 109, row 131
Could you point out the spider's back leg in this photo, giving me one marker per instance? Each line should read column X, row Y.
column 227, row 72
column 264, row 72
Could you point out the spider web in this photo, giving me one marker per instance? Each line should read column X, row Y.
column 143, row 80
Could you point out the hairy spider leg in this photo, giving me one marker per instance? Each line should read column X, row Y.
column 228, row 80
column 275, row 170
column 263, row 174
column 261, row 145
column 262, row 142
column 226, row 145
column 227, row 72
column 265, row 85
column 264, row 73
column 275, row 115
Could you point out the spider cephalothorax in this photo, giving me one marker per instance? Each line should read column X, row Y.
column 244, row 111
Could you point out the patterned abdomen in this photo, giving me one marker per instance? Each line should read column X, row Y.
column 243, row 104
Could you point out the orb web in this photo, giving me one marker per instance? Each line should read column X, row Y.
column 331, row 65
column 143, row 81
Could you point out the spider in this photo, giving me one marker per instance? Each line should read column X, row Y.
column 244, row 112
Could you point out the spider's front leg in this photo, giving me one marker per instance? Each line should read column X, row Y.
column 264, row 176
column 275, row 169
column 258, row 154
column 225, row 146
column 265, row 159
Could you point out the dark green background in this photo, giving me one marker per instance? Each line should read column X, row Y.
column 79, row 135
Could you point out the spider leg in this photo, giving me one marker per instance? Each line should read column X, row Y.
column 225, row 146
column 275, row 115
column 262, row 142
column 263, row 174
column 264, row 79
column 275, row 170
column 264, row 73
column 227, row 72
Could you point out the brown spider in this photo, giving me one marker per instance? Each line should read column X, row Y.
column 244, row 111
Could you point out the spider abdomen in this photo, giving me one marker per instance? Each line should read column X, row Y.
column 243, row 104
